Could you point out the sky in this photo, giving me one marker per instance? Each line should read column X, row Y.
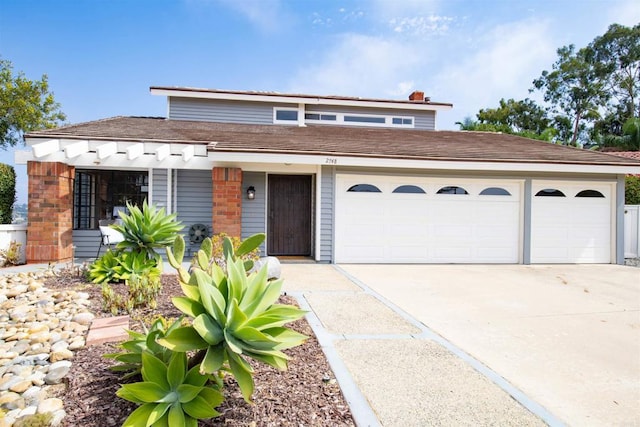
column 102, row 56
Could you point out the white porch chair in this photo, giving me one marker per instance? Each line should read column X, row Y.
column 108, row 236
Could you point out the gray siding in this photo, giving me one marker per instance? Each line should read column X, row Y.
column 87, row 243
column 425, row 120
column 253, row 211
column 222, row 111
column 159, row 187
column 327, row 186
column 262, row 113
column 194, row 201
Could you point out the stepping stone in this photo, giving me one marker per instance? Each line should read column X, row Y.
column 108, row 329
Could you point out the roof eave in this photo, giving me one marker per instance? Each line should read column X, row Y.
column 293, row 99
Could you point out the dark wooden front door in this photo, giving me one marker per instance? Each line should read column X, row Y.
column 289, row 209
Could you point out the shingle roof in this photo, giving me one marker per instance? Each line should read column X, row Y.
column 626, row 154
column 335, row 141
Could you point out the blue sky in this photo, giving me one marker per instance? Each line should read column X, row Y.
column 101, row 56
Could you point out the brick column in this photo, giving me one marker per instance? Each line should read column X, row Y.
column 49, row 235
column 227, row 201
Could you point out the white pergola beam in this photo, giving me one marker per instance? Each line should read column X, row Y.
column 45, row 148
column 187, row 153
column 107, row 150
column 134, row 151
column 162, row 152
column 75, row 149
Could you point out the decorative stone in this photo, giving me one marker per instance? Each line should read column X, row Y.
column 49, row 405
column 21, row 386
column 56, row 375
column 60, row 355
column 11, row 401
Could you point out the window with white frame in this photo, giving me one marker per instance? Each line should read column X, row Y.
column 282, row 115
column 285, row 115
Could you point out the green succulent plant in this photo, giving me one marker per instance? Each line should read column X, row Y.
column 234, row 314
column 116, row 266
column 170, row 394
column 105, row 268
column 131, row 357
column 147, row 229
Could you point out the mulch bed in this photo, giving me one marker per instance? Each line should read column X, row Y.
column 304, row 395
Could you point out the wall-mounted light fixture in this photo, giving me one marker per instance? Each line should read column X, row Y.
column 251, row 193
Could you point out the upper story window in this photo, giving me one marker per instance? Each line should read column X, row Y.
column 321, row 117
column 285, row 115
column 364, row 119
column 408, row 121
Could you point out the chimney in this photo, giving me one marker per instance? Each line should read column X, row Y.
column 416, row 95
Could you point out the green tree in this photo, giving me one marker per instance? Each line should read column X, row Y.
column 518, row 116
column 632, row 190
column 575, row 88
column 617, row 57
column 7, row 193
column 25, row 105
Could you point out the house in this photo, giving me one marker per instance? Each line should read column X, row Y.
column 337, row 179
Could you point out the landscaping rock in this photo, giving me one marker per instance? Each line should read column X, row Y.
column 39, row 330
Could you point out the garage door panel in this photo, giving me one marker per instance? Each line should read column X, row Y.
column 428, row 227
column 571, row 229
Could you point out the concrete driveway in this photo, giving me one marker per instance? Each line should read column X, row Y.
column 567, row 336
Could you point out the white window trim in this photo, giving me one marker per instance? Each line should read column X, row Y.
column 388, row 120
column 286, row 122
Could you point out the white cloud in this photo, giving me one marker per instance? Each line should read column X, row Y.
column 504, row 63
column 265, row 14
column 418, row 25
column 360, row 65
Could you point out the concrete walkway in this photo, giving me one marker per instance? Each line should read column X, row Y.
column 447, row 345
column 393, row 370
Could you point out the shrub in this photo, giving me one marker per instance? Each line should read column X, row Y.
column 7, row 193
column 11, row 255
column 213, row 248
column 105, row 269
column 170, row 394
column 632, row 190
column 141, row 291
column 130, row 359
column 147, row 229
column 235, row 315
column 121, row 265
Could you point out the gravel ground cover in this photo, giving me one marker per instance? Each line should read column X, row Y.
column 83, row 390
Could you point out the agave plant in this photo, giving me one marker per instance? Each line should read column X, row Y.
column 147, row 229
column 170, row 394
column 234, row 315
column 131, row 357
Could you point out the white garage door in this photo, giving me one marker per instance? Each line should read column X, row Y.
column 571, row 222
column 392, row 219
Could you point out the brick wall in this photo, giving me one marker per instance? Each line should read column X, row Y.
column 227, row 201
column 49, row 235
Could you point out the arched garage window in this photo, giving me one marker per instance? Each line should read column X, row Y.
column 452, row 190
column 364, row 188
column 414, row 189
column 590, row 193
column 550, row 192
column 494, row 191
